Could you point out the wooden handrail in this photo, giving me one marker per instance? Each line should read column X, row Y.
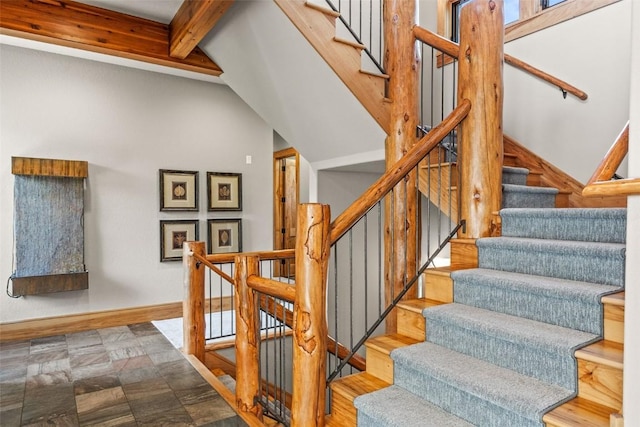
column 219, row 272
column 436, row 40
column 614, row 157
column 272, row 288
column 229, row 258
column 452, row 49
column 600, row 184
column 391, row 177
column 564, row 86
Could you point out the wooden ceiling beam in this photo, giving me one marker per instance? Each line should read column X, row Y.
column 192, row 22
column 81, row 26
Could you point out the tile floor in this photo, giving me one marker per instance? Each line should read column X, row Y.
column 122, row 376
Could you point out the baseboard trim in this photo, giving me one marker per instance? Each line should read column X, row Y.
column 48, row 326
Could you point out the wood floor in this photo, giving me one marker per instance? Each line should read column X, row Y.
column 120, row 376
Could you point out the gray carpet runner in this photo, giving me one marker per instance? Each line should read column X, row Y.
column 502, row 353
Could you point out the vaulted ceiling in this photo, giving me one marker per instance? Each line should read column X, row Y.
column 164, row 32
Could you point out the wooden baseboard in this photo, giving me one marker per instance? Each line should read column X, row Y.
column 49, row 326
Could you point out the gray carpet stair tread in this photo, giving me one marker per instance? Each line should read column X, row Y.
column 515, row 170
column 513, row 175
column 396, row 407
column 541, row 285
column 574, row 260
column 568, row 303
column 590, row 224
column 510, row 328
column 529, row 189
column 502, row 387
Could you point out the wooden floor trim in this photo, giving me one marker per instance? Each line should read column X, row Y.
column 48, row 326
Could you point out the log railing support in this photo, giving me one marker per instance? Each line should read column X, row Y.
column 309, row 315
column 402, row 66
column 193, row 302
column 480, row 137
column 247, row 330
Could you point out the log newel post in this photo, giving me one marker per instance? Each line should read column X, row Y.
column 480, row 150
column 247, row 330
column 402, row 65
column 309, row 315
column 193, row 302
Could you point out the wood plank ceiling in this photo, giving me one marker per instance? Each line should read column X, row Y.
column 95, row 29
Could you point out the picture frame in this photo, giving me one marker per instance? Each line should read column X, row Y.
column 224, row 191
column 173, row 233
column 224, row 236
column 178, row 190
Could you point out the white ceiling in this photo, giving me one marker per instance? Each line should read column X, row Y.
column 155, row 10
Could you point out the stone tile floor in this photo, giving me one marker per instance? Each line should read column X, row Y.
column 122, row 376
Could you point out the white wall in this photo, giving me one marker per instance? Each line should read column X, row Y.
column 127, row 124
column 632, row 294
column 590, row 52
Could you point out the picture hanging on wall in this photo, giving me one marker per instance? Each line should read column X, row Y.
column 178, row 190
column 224, row 191
column 224, row 235
column 173, row 233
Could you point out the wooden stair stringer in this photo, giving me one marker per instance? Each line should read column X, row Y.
column 344, row 59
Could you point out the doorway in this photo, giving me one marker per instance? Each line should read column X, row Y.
column 286, row 192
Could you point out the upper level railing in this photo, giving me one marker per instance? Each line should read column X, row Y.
column 601, row 183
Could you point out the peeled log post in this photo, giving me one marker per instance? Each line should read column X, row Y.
column 402, row 66
column 480, row 138
column 247, row 326
column 193, row 302
column 309, row 316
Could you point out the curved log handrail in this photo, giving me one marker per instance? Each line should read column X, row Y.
column 391, row 177
column 451, row 48
column 263, row 255
column 272, row 288
column 600, row 184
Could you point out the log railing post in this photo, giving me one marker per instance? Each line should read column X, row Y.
column 402, row 66
column 247, row 330
column 480, row 136
column 309, row 315
column 193, row 302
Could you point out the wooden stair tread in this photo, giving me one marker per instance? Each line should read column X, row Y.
column 349, row 43
column 603, row 352
column 375, row 74
column 579, row 412
column 417, row 305
column 389, row 342
column 424, row 165
column 355, row 385
column 325, row 10
column 614, row 299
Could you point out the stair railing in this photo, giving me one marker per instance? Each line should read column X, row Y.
column 603, row 182
column 451, row 49
column 365, row 23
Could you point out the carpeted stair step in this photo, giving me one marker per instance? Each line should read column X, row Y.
column 396, row 407
column 522, row 196
column 583, row 261
column 472, row 389
column 514, row 175
column 560, row 302
column 532, row 348
column 608, row 225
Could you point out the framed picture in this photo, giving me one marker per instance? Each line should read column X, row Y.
column 173, row 233
column 225, row 235
column 178, row 190
column 224, row 191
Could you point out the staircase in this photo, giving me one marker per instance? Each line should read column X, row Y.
column 515, row 341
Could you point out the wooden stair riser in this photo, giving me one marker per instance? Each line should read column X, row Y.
column 600, row 383
column 410, row 324
column 343, row 393
column 614, row 323
column 578, row 412
column 464, row 254
column 438, row 285
column 439, row 193
column 380, row 365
